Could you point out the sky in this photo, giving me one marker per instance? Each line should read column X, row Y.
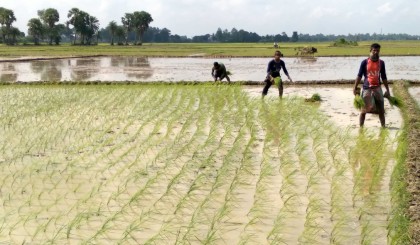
column 264, row 17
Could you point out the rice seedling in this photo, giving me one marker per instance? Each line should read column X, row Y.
column 314, row 98
column 394, row 101
column 191, row 164
column 358, row 102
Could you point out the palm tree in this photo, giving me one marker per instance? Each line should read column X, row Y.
column 127, row 22
column 120, row 33
column 49, row 16
column 141, row 23
column 14, row 33
column 112, row 27
column 74, row 19
column 7, row 17
column 92, row 28
column 35, row 29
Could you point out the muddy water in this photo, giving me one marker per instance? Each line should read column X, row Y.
column 194, row 69
column 337, row 104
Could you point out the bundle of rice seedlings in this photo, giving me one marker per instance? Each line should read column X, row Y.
column 358, row 102
column 315, row 98
column 394, row 101
column 229, row 73
column 277, row 80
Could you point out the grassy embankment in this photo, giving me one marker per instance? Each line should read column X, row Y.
column 207, row 49
column 405, row 223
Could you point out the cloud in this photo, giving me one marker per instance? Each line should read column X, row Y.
column 321, row 12
column 385, row 9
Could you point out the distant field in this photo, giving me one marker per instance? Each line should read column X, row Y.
column 208, row 49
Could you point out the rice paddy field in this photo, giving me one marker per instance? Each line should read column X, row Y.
column 187, row 164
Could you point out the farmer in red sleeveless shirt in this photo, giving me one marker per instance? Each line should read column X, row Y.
column 373, row 70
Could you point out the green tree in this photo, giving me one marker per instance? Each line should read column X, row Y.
column 49, row 17
column 127, row 22
column 120, row 33
column 92, row 28
column 58, row 30
column 35, row 29
column 141, row 23
column 295, row 37
column 112, row 28
column 14, row 33
column 80, row 21
column 219, row 35
column 74, row 16
column 7, row 17
column 84, row 25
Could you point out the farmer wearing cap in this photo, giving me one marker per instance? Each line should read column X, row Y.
column 273, row 74
column 373, row 70
column 219, row 72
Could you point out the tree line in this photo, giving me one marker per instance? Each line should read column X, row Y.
column 84, row 29
column 79, row 28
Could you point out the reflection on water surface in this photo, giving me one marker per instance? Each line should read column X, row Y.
column 195, row 69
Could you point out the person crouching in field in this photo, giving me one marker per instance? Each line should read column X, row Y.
column 273, row 74
column 373, row 70
column 219, row 72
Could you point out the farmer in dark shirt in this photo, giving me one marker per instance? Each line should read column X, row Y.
column 219, row 72
column 373, row 70
column 273, row 74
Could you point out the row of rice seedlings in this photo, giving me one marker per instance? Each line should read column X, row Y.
column 22, row 192
column 139, row 195
column 183, row 200
column 112, row 219
column 219, row 222
column 266, row 195
column 311, row 140
column 288, row 220
column 174, row 181
column 317, row 225
column 251, row 212
column 30, row 166
column 229, row 138
column 344, row 217
column 371, row 200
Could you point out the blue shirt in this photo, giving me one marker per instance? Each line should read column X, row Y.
column 275, row 67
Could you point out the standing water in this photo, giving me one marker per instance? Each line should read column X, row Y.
column 195, row 69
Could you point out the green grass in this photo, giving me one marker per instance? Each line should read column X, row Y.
column 208, row 49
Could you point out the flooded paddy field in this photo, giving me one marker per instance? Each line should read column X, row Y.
column 191, row 164
column 145, row 69
column 211, row 164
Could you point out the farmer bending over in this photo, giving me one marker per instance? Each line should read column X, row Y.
column 373, row 70
column 219, row 72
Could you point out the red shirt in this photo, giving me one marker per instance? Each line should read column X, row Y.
column 373, row 71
